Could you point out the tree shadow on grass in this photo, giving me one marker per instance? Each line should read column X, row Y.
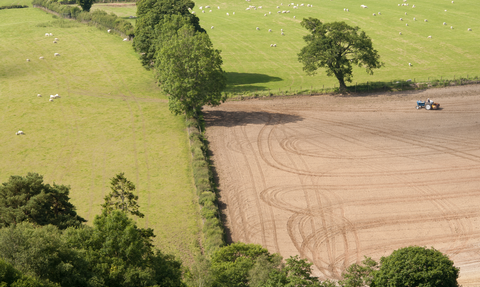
column 246, row 81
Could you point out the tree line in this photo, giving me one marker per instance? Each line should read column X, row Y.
column 44, row 242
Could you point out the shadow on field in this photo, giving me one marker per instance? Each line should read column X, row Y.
column 240, row 118
column 247, row 81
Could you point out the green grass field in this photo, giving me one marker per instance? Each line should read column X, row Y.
column 111, row 118
column 252, row 64
column 123, row 10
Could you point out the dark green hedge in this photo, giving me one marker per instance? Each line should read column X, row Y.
column 207, row 197
column 13, row 7
column 98, row 18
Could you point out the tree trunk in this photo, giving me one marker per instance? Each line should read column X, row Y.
column 343, row 87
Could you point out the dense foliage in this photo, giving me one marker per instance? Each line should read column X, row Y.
column 13, row 7
column 416, row 266
column 85, row 4
column 336, row 46
column 121, row 196
column 11, row 277
column 212, row 226
column 189, row 71
column 29, row 199
column 149, row 15
column 98, row 17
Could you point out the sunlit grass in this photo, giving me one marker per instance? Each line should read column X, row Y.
column 111, row 118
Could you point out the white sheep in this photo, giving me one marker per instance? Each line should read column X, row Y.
column 410, row 64
column 211, row 27
column 406, row 24
column 193, row 12
column 444, row 23
column 56, row 39
column 374, row 14
column 57, row 54
column 452, row 2
column 283, row 34
column 125, row 39
column 47, row 34
column 379, row 13
column 208, row 6
column 41, row 58
column 228, row 14
column 405, row 13
column 281, row 30
column 264, row 14
column 210, row 11
column 28, row 60
column 400, row 33
column 259, row 7
column 274, row 45
column 413, row 6
column 288, row 11
column 54, row 42
column 294, row 17
column 50, row 100
column 258, row 28
column 108, row 31
column 425, row 20
column 401, row 19
column 414, row 19
column 269, row 13
column 201, row 7
column 399, row 4
column 445, row 10
column 269, row 30
column 469, row 29
column 363, row 6
column 203, row 11
column 247, row 8
column 51, row 34
column 347, row 10
column 451, row 27
column 218, row 7
column 429, row 37
column 38, row 95
column 20, row 133
column 279, row 11
column 233, row 13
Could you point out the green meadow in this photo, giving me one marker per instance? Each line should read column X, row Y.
column 122, row 10
column 111, row 118
column 253, row 65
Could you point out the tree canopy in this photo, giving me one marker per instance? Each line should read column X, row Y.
column 149, row 14
column 29, row 199
column 337, row 46
column 85, row 4
column 416, row 266
column 189, row 71
column 121, row 196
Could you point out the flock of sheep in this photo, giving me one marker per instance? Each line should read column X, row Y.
column 52, row 97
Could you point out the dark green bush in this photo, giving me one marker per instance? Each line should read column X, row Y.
column 13, row 7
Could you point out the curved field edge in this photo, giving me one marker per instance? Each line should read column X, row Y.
column 111, row 118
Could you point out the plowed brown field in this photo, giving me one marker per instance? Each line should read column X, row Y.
column 334, row 178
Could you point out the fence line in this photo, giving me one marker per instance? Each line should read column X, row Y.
column 391, row 86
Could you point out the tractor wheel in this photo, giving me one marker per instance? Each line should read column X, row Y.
column 428, row 107
column 418, row 107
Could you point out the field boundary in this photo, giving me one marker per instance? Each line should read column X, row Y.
column 97, row 18
column 368, row 87
column 213, row 229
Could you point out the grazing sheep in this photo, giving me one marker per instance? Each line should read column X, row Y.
column 38, row 95
column 379, row 13
column 347, row 10
column 259, row 7
column 20, row 133
column 374, row 14
column 271, row 45
column 425, row 20
column 344, row 9
column 228, row 14
column 281, row 30
column 201, row 7
column 429, row 37
column 203, row 11
column 363, row 6
column 108, row 31
column 193, row 12
column 279, row 11
column 56, row 96
column 50, row 100
column 399, row 4
column 57, row 54
column 445, row 10
column 400, row 33
column 208, row 6
column 125, row 39
column 294, row 17
column 258, row 28
column 451, row 27
column 54, row 42
column 56, row 39
column 47, row 34
column 410, row 64
column 444, row 23
column 247, row 9
column 414, row 19
column 218, row 7
column 41, row 58
column 210, row 11
column 469, row 29
column 51, row 34
column 401, row 19
column 413, row 6
column 283, row 34
column 405, row 13
column 233, row 13
column 269, row 30
column 274, row 45
column 452, row 2
column 406, row 24
column 288, row 11
column 269, row 13
column 211, row 27
column 278, row 7
column 28, row 60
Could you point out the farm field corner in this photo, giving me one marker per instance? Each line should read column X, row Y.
column 337, row 178
column 111, row 118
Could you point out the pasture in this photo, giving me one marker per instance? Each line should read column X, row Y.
column 111, row 118
column 252, row 65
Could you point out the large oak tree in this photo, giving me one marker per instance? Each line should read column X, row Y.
column 337, row 46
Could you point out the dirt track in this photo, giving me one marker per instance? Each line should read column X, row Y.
column 334, row 178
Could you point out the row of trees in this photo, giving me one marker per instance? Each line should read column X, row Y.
column 172, row 42
column 43, row 242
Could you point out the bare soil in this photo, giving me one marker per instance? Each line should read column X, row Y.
column 337, row 178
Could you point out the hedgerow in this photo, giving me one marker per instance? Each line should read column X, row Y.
column 13, row 6
column 204, row 182
column 97, row 18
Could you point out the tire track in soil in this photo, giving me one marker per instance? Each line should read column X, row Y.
column 330, row 243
